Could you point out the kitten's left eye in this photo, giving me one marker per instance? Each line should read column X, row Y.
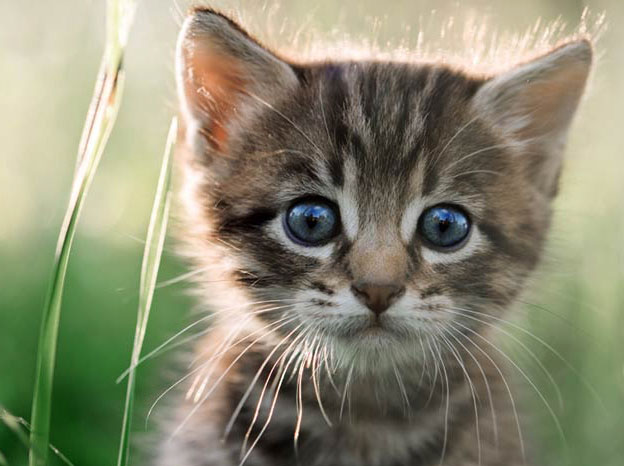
column 311, row 222
column 444, row 226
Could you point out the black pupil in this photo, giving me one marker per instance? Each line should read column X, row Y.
column 312, row 220
column 443, row 225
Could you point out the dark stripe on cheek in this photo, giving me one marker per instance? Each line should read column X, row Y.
column 322, row 288
column 251, row 221
column 526, row 255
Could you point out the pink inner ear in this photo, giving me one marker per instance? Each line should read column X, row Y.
column 217, row 83
column 552, row 102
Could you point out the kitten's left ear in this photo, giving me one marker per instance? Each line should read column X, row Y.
column 534, row 103
column 222, row 73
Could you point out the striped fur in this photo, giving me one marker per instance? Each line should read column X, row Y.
column 294, row 370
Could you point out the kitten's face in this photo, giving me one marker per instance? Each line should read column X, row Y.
column 372, row 203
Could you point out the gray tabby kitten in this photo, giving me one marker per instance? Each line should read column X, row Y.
column 358, row 227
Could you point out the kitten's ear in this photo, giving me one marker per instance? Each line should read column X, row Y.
column 533, row 104
column 221, row 74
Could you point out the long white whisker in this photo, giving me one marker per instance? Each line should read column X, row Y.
column 316, row 369
column 477, row 152
column 548, row 346
column 472, row 172
column 507, row 387
column 448, row 401
column 184, row 276
column 245, row 396
column 451, row 334
column 281, row 376
column 225, row 372
column 399, row 380
column 329, row 139
column 292, row 123
column 473, row 392
column 260, row 311
column 462, row 312
column 435, row 374
column 344, row 391
column 167, row 342
column 329, row 368
column 525, row 376
column 457, row 133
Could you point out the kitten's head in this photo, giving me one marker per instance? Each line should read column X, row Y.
column 373, row 203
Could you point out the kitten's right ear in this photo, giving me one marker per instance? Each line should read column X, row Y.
column 222, row 73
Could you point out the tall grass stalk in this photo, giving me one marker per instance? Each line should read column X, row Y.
column 152, row 253
column 98, row 125
column 20, row 427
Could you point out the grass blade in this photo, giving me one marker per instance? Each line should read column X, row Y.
column 98, row 125
column 149, row 273
column 17, row 426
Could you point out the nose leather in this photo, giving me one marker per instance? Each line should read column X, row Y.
column 377, row 297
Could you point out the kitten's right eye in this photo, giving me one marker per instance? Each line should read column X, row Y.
column 312, row 222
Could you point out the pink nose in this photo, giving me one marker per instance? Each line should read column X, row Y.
column 378, row 298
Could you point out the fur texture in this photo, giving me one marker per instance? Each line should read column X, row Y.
column 295, row 368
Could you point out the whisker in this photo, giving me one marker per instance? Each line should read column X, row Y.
column 457, row 133
column 472, row 172
column 473, row 392
column 184, row 276
column 292, row 123
column 218, row 353
column 203, row 365
column 507, row 387
column 329, row 139
column 450, row 333
column 225, row 372
column 253, row 382
column 251, row 314
column 435, row 374
column 160, row 348
column 425, row 362
column 344, row 391
column 517, row 340
column 447, row 405
column 327, row 357
column 397, row 375
column 279, row 152
column 479, row 151
column 525, row 376
column 563, row 319
column 317, row 362
column 245, row 453
column 302, row 365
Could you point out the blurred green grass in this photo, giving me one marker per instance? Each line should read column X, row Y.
column 49, row 53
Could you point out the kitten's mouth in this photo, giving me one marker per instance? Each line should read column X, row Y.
column 375, row 326
column 375, row 329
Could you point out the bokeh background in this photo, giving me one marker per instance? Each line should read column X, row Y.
column 49, row 55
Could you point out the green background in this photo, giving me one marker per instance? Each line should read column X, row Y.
column 49, row 55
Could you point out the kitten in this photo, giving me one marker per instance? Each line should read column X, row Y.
column 359, row 226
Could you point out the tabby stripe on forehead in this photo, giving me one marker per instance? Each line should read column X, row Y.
column 333, row 100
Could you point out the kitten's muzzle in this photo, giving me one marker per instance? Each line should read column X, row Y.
column 378, row 298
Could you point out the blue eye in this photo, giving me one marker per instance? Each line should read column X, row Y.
column 311, row 222
column 444, row 226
